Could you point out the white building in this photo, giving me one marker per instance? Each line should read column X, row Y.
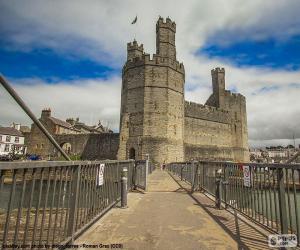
column 11, row 141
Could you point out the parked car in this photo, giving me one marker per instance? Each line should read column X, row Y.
column 34, row 157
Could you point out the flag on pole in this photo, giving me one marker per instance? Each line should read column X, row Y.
column 134, row 21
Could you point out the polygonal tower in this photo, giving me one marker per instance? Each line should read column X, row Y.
column 152, row 100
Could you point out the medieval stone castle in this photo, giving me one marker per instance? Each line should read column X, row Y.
column 155, row 119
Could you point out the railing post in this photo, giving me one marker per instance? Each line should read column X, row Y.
column 181, row 173
column 195, row 177
column 282, row 201
column 124, row 188
column 218, row 189
column 147, row 171
column 203, row 177
column 74, row 203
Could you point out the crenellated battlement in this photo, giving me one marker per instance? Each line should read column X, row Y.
column 169, row 24
column 135, row 46
column 217, row 70
column 205, row 112
column 156, row 60
column 235, row 96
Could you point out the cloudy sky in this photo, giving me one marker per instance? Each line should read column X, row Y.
column 68, row 55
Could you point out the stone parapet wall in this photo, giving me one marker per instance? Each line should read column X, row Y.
column 155, row 61
column 209, row 113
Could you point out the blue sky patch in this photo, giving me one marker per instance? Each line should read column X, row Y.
column 271, row 53
column 49, row 66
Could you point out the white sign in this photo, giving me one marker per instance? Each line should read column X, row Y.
column 282, row 240
column 100, row 179
column 247, row 176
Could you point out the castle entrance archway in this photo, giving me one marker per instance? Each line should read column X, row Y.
column 132, row 153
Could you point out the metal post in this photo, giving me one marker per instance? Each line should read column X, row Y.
column 282, row 202
column 18, row 99
column 147, row 171
column 192, row 175
column 181, row 173
column 74, row 203
column 218, row 189
column 124, row 188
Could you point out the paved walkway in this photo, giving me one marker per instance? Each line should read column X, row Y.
column 168, row 217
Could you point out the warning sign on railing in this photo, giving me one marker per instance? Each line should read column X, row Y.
column 100, row 177
column 247, row 176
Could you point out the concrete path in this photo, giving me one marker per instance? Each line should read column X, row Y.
column 168, row 217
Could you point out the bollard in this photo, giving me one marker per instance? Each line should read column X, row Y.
column 124, row 188
column 218, row 188
column 147, row 172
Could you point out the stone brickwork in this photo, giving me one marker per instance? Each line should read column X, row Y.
column 156, row 120
column 76, row 143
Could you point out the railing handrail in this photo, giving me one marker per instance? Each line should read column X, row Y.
column 47, row 164
column 273, row 165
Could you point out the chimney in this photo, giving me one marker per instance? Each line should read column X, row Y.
column 71, row 121
column 16, row 126
column 46, row 112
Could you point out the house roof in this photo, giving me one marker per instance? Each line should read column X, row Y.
column 60, row 122
column 10, row 131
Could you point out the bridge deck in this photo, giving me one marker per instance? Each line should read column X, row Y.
column 168, row 217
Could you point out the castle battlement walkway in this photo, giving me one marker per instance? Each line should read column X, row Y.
column 168, row 216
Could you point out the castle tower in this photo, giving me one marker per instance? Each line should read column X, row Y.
column 152, row 100
column 218, row 85
column 165, row 38
column 134, row 50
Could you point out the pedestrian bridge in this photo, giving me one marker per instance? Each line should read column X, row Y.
column 192, row 205
column 168, row 216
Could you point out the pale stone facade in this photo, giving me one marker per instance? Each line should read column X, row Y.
column 156, row 120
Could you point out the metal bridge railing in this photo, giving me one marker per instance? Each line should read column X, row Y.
column 267, row 193
column 48, row 203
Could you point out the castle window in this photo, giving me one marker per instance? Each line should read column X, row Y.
column 235, row 128
column 37, row 146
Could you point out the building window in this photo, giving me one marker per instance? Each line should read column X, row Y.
column 8, row 138
column 6, row 149
column 17, row 139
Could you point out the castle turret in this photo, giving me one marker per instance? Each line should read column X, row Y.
column 134, row 50
column 165, row 38
column 218, row 85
